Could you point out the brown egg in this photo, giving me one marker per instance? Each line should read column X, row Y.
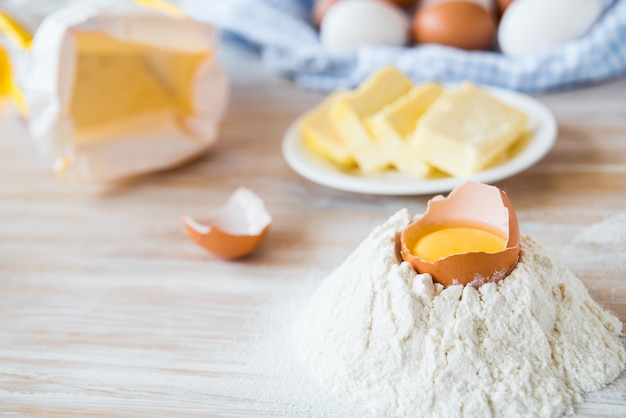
column 460, row 24
column 234, row 230
column 503, row 4
column 473, row 205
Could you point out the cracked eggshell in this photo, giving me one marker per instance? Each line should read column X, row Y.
column 473, row 204
column 234, row 230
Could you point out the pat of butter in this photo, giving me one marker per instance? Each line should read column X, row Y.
column 457, row 240
column 320, row 135
column 349, row 112
column 392, row 125
column 466, row 129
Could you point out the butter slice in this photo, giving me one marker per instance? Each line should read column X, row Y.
column 349, row 113
column 392, row 125
column 320, row 135
column 467, row 129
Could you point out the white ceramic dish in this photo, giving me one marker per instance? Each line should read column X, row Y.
column 542, row 128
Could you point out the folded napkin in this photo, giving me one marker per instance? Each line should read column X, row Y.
column 282, row 31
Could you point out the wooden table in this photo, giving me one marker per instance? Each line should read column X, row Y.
column 107, row 308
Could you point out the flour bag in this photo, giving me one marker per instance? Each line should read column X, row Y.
column 113, row 91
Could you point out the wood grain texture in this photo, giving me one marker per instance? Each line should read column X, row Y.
column 108, row 309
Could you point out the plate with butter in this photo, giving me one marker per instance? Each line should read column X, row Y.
column 391, row 137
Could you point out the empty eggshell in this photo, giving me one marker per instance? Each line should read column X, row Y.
column 234, row 230
column 470, row 203
column 351, row 23
column 460, row 24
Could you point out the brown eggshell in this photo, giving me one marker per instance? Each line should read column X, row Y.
column 471, row 203
column 460, row 24
column 234, row 230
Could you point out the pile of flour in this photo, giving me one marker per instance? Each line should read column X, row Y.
column 383, row 336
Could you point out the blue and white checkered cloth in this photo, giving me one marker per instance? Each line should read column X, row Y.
column 282, row 31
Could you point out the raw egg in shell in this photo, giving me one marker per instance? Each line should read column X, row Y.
column 470, row 237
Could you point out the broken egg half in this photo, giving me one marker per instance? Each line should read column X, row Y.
column 234, row 230
column 470, row 237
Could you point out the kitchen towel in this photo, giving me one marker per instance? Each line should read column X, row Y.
column 288, row 43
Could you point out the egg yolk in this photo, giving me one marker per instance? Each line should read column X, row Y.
column 449, row 241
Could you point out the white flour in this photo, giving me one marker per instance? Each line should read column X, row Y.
column 381, row 335
column 609, row 232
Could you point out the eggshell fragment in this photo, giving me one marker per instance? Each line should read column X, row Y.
column 471, row 203
column 234, row 230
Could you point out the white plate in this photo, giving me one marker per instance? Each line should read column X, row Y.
column 542, row 129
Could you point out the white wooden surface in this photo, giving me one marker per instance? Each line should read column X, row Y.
column 107, row 308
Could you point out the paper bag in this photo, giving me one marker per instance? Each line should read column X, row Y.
column 119, row 92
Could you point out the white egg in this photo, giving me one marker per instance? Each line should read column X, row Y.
column 351, row 23
column 531, row 27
